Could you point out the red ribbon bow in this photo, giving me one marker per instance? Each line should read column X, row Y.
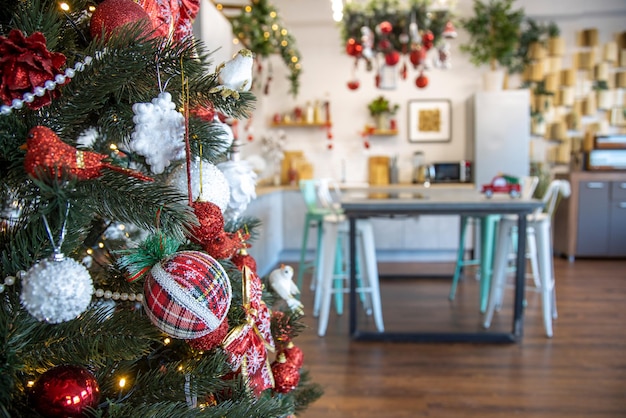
column 248, row 344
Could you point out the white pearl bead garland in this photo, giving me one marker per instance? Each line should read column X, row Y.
column 48, row 85
column 107, row 294
column 100, row 293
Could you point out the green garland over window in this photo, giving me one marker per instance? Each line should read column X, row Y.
column 259, row 28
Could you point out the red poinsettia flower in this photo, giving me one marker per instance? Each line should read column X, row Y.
column 26, row 63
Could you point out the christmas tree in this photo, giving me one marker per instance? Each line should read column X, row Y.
column 126, row 287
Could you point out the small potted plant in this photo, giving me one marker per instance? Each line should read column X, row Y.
column 380, row 109
column 494, row 31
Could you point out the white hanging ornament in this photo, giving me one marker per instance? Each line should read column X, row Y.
column 159, row 133
column 207, row 184
column 235, row 75
column 56, row 289
column 242, row 181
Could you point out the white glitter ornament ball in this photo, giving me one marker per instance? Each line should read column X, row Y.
column 56, row 289
column 242, row 181
column 215, row 188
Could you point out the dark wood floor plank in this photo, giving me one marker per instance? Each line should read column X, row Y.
column 579, row 373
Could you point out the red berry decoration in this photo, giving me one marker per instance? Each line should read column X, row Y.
column 392, row 58
column 421, row 81
column 286, row 375
column 111, row 15
column 385, row 27
column 65, row 391
column 353, row 84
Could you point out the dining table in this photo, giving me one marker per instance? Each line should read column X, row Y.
column 391, row 201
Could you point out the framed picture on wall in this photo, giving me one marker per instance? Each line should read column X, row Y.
column 430, row 120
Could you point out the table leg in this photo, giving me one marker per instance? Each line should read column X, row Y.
column 352, row 268
column 520, row 278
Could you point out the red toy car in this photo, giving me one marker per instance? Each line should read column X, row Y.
column 502, row 184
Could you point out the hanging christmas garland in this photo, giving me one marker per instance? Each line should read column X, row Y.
column 259, row 29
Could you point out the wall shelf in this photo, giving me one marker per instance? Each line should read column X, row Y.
column 371, row 131
column 301, row 125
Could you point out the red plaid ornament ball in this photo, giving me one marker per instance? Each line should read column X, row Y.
column 187, row 295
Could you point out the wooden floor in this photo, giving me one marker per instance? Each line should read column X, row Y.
column 579, row 373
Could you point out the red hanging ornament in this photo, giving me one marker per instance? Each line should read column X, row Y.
column 366, row 144
column 392, row 58
column 417, row 57
column 427, row 40
column 206, row 113
column 353, row 48
column 385, row 27
column 242, row 260
column 421, row 81
column 294, row 355
column 377, row 80
column 403, row 71
column 384, row 45
column 286, row 375
column 210, row 232
column 111, row 15
column 449, row 32
column 247, row 345
column 65, row 391
column 46, row 153
column 26, row 64
column 353, row 84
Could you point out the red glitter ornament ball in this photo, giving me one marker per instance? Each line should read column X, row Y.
column 212, row 339
column 65, row 391
column 286, row 375
column 211, row 222
column 421, row 81
column 353, row 48
column 244, row 260
column 293, row 354
column 113, row 14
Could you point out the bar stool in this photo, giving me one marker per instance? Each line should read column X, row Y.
column 538, row 232
column 332, row 277
column 334, row 269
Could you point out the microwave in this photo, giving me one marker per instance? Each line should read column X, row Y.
column 452, row 172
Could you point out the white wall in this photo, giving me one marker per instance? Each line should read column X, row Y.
column 326, row 70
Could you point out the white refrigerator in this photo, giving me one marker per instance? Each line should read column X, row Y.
column 499, row 136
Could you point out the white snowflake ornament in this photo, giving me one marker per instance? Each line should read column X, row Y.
column 235, row 75
column 159, row 133
column 208, row 183
column 56, row 289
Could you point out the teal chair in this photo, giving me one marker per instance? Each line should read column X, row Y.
column 313, row 219
column 488, row 232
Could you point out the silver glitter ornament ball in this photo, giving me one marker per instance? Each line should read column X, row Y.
column 56, row 289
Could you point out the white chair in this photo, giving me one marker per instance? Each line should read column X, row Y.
column 332, row 278
column 539, row 236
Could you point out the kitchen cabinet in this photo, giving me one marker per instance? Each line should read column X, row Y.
column 592, row 221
